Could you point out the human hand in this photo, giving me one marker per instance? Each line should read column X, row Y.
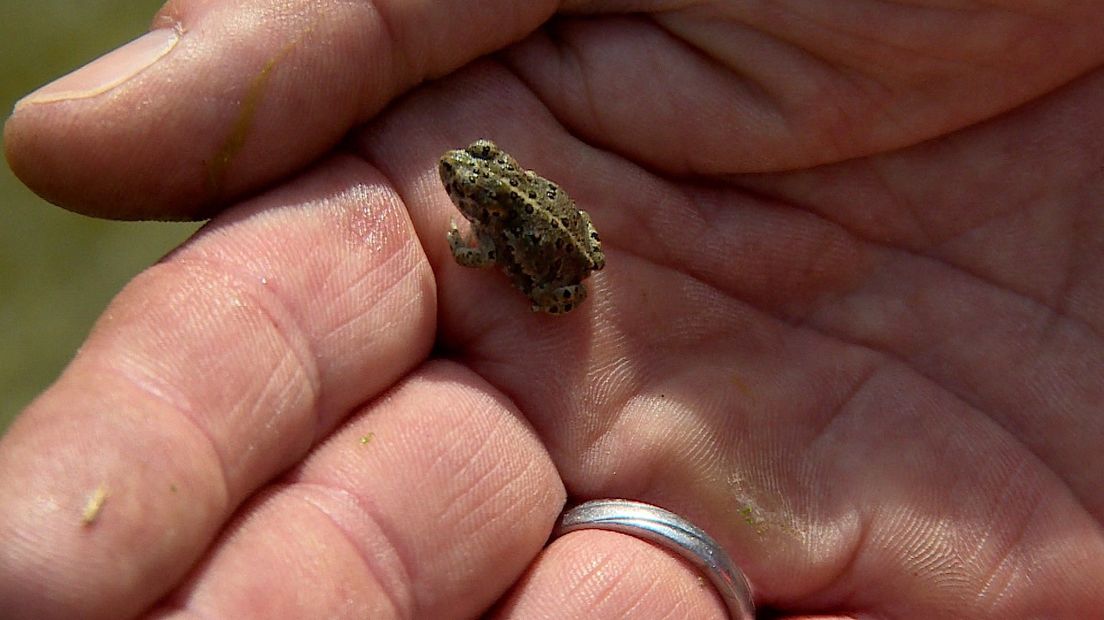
column 874, row 380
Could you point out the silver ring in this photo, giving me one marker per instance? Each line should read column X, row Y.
column 669, row 531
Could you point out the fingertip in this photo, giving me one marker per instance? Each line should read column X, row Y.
column 600, row 574
column 107, row 71
column 194, row 114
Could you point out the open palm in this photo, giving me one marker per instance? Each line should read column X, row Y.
column 850, row 322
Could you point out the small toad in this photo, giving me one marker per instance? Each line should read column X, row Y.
column 522, row 222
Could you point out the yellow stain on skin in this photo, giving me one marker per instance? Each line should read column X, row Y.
column 94, row 505
column 367, row 438
column 239, row 131
column 748, row 513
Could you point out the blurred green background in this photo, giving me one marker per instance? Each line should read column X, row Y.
column 57, row 269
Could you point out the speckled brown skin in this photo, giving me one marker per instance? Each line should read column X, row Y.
column 522, row 222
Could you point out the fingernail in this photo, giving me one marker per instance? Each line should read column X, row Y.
column 107, row 71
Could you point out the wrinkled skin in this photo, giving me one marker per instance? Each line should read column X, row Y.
column 850, row 321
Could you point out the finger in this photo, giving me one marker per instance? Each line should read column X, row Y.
column 429, row 504
column 725, row 87
column 206, row 376
column 223, row 98
column 596, row 574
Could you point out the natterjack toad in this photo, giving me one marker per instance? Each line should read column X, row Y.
column 523, row 223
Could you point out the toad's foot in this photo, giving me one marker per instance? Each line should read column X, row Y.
column 557, row 299
column 482, row 255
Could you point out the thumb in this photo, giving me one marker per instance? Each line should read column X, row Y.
column 221, row 99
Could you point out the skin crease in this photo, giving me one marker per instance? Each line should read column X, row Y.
column 850, row 322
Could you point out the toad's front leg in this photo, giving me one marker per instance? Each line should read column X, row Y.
column 483, row 253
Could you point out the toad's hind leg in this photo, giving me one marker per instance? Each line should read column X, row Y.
column 483, row 255
column 557, row 299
